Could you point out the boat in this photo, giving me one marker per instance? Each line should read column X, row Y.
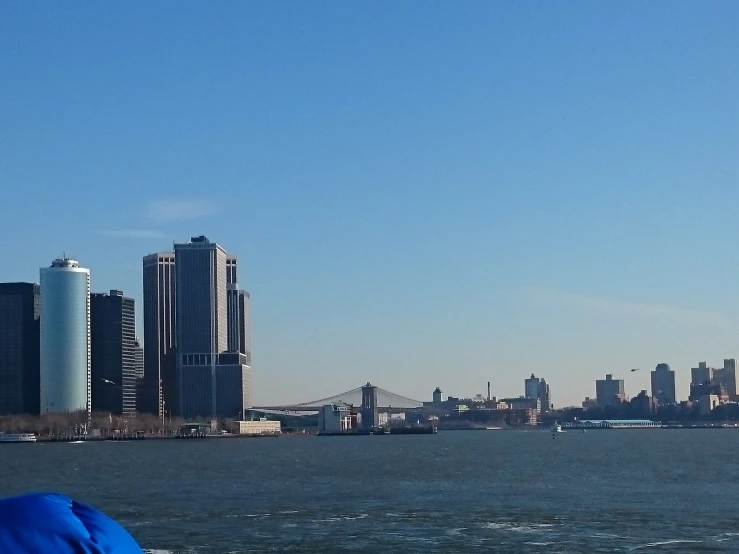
column 556, row 428
column 17, row 437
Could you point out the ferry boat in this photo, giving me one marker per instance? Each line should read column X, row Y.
column 17, row 437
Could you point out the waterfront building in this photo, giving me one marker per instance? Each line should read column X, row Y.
column 609, row 391
column 334, row 418
column 612, row 424
column 239, row 316
column 19, row 348
column 663, row 384
column 213, row 381
column 64, row 337
column 158, row 392
column 537, row 388
column 113, row 358
column 262, row 426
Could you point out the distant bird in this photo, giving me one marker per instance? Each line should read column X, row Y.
column 108, row 381
column 633, row 370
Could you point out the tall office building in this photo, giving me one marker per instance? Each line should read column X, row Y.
column 213, row 381
column 609, row 391
column 139, row 365
column 701, row 374
column 159, row 393
column 19, row 348
column 65, row 337
column 536, row 388
column 663, row 384
column 726, row 377
column 113, row 360
column 234, row 308
column 239, row 312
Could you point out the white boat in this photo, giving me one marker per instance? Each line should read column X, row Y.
column 557, row 428
column 17, row 437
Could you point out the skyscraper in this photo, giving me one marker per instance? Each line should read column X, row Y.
column 65, row 337
column 113, row 360
column 701, row 374
column 139, row 365
column 159, row 388
column 663, row 384
column 214, row 382
column 239, row 312
column 726, row 377
column 609, row 391
column 536, row 388
column 19, row 348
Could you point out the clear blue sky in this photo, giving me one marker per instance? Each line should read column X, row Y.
column 421, row 194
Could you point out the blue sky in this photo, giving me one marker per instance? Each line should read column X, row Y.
column 421, row 194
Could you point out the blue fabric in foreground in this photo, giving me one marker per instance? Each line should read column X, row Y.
column 55, row 524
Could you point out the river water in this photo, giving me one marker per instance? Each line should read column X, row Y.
column 458, row 491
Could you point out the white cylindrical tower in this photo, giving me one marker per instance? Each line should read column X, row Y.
column 65, row 337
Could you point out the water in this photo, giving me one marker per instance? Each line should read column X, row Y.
column 494, row 491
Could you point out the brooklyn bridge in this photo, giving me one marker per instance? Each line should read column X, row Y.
column 366, row 396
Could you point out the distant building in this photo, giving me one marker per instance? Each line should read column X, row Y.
column 19, row 348
column 589, row 403
column 708, row 403
column 644, row 405
column 727, row 377
column 65, row 338
column 158, row 393
column 537, row 388
column 113, row 347
column 609, row 391
column 262, row 426
column 334, row 418
column 437, row 396
column 663, row 385
column 139, row 365
column 701, row 374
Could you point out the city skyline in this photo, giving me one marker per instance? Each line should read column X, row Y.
column 420, row 196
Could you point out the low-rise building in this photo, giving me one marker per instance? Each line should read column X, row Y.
column 334, row 418
column 707, row 403
column 262, row 426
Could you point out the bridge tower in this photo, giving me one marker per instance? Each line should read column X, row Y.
column 370, row 418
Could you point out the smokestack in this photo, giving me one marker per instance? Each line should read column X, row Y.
column 488, row 391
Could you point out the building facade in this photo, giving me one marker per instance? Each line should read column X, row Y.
column 663, row 384
column 19, row 348
column 65, row 338
column 158, row 391
column 536, row 388
column 726, row 377
column 214, row 379
column 139, row 365
column 113, row 359
column 701, row 374
column 609, row 391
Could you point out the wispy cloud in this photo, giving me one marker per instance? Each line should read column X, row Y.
column 135, row 234
column 173, row 209
column 627, row 308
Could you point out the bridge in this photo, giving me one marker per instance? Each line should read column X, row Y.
column 386, row 401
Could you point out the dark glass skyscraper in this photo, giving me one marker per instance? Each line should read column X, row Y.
column 214, row 378
column 19, row 348
column 159, row 388
column 113, row 346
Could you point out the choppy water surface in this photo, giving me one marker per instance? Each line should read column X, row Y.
column 494, row 491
